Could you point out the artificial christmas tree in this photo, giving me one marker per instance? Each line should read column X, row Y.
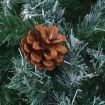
column 77, row 77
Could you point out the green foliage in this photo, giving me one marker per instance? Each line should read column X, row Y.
column 12, row 29
column 76, row 9
column 34, row 85
column 0, row 6
column 7, row 97
column 91, row 29
column 13, row 26
column 79, row 80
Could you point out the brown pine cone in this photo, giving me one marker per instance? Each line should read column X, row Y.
column 43, row 47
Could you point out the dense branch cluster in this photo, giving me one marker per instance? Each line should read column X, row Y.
column 76, row 76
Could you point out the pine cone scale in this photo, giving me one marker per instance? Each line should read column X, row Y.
column 59, row 59
column 53, row 32
column 30, row 39
column 48, row 63
column 35, row 57
column 47, row 56
column 61, row 49
column 36, row 46
column 60, row 38
column 24, row 40
column 42, row 31
column 53, row 52
column 27, row 48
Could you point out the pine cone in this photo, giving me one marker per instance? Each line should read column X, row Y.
column 43, row 47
